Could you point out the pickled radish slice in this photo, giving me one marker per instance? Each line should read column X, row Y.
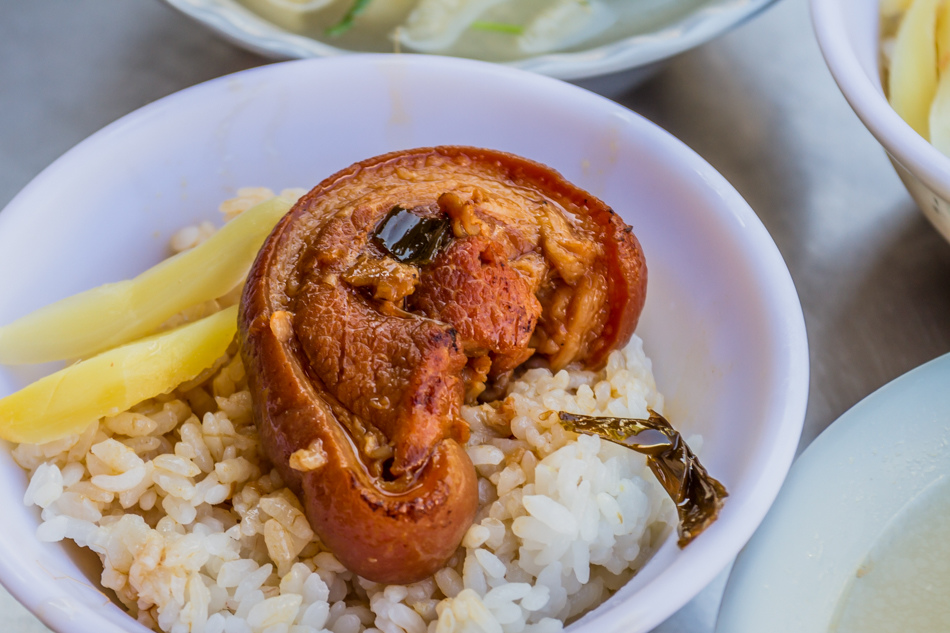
column 71, row 399
column 116, row 313
column 942, row 30
column 891, row 8
column 940, row 108
column 913, row 73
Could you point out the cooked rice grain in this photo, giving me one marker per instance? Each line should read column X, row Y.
column 197, row 535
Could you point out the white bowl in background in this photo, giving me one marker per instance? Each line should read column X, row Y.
column 849, row 35
column 722, row 321
column 838, row 501
column 638, row 53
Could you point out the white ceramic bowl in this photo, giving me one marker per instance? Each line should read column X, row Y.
column 637, row 50
column 848, row 33
column 722, row 323
column 862, row 472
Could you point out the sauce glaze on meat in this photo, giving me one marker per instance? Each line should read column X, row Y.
column 360, row 353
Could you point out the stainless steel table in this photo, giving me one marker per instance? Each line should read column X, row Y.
column 758, row 104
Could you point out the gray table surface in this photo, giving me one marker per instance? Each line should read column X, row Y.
column 758, row 104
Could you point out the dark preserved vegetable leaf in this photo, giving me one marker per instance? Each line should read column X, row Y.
column 698, row 497
column 412, row 238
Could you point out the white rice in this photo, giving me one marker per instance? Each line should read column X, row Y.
column 195, row 537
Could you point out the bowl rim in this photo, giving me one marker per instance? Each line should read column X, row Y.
column 245, row 28
column 899, row 139
column 781, row 303
column 850, row 460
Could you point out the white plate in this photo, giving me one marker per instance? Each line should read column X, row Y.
column 722, row 322
column 838, row 498
column 709, row 19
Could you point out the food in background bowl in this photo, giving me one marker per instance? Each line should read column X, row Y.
column 722, row 325
column 916, row 54
column 194, row 529
column 487, row 29
column 850, row 35
column 645, row 33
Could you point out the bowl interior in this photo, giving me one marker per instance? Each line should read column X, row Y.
column 722, row 322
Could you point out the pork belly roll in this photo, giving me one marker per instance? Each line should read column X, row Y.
column 397, row 290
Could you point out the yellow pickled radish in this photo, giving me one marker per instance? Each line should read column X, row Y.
column 913, row 72
column 565, row 23
column 940, row 108
column 942, row 36
column 891, row 8
column 113, row 314
column 71, row 399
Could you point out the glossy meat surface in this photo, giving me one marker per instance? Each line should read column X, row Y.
column 390, row 294
column 490, row 304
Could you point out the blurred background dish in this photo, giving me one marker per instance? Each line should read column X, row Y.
column 848, row 32
column 772, row 121
column 575, row 40
column 723, row 323
column 857, row 498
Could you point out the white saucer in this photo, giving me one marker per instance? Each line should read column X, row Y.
column 838, row 498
